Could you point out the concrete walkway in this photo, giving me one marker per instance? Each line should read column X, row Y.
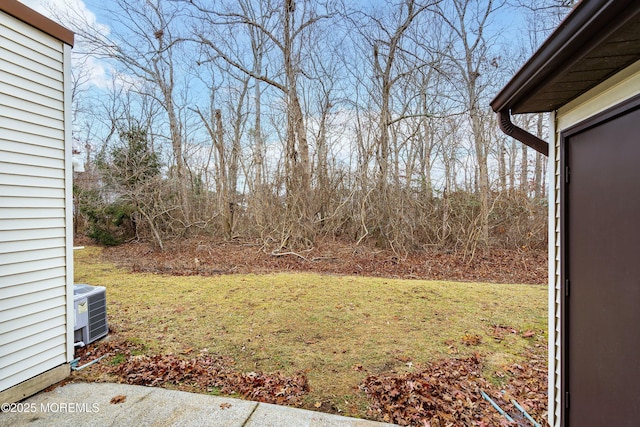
column 90, row 404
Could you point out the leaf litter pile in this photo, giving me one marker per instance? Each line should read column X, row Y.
column 444, row 393
column 196, row 257
column 201, row 373
column 448, row 393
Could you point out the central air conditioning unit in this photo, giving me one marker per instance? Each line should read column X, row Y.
column 90, row 308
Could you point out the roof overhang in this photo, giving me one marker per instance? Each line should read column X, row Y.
column 33, row 18
column 595, row 41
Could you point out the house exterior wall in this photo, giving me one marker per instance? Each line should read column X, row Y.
column 36, row 264
column 618, row 88
column 554, row 279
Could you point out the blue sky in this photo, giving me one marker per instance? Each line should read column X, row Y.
column 509, row 23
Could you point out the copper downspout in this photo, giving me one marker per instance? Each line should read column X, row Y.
column 504, row 120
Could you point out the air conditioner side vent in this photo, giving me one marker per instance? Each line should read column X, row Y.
column 97, row 315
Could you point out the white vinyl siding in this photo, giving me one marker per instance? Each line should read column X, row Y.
column 554, row 279
column 621, row 86
column 23, row 125
column 34, row 203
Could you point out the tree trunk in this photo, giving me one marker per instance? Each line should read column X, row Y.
column 512, row 163
column 223, row 176
column 538, row 184
column 524, row 171
column 298, row 170
column 502, row 164
column 483, row 177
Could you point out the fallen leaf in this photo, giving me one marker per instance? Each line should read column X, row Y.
column 118, row 399
column 528, row 334
column 225, row 406
column 471, row 339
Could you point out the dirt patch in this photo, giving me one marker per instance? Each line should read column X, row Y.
column 199, row 257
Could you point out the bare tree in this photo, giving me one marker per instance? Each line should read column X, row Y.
column 384, row 58
column 395, row 66
column 546, row 13
column 524, row 168
column 321, row 96
column 471, row 56
column 538, row 181
column 145, row 44
column 286, row 31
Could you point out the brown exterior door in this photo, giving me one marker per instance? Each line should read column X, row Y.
column 601, row 333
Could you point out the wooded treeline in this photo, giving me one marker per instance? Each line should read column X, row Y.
column 290, row 120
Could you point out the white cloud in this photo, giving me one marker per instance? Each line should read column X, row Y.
column 69, row 13
column 75, row 15
column 33, row 4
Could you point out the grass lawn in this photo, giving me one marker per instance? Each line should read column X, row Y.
column 335, row 329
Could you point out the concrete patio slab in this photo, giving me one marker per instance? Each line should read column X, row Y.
column 267, row 415
column 90, row 404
